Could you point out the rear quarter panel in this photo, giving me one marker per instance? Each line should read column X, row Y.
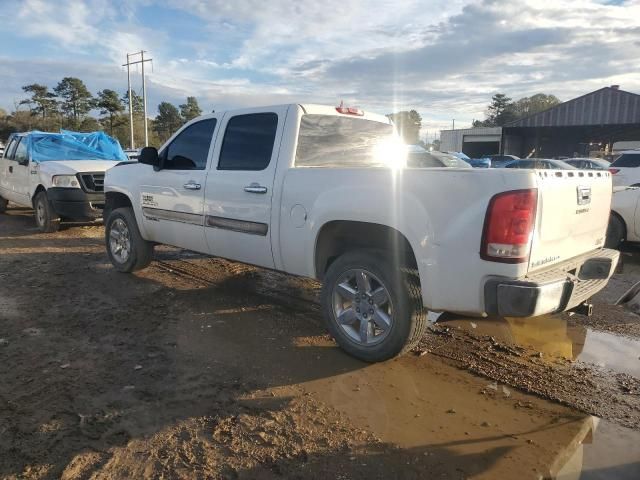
column 440, row 212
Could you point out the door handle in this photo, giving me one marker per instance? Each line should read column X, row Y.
column 10, row 169
column 255, row 188
column 192, row 186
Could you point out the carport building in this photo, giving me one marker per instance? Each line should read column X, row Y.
column 594, row 121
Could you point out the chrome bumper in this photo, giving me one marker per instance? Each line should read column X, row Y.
column 560, row 288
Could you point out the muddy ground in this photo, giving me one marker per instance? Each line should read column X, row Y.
column 203, row 368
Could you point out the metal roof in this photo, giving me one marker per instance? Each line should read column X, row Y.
column 607, row 106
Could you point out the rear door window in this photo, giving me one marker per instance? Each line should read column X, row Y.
column 627, row 160
column 248, row 142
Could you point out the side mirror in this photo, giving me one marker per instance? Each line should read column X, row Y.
column 149, row 156
column 24, row 162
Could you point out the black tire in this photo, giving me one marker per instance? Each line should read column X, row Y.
column 140, row 252
column 616, row 232
column 409, row 319
column 3, row 205
column 47, row 220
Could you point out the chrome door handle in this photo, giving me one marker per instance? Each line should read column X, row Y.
column 255, row 188
column 11, row 169
column 192, row 186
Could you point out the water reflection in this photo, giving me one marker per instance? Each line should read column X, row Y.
column 554, row 337
column 445, row 414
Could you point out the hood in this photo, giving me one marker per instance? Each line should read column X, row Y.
column 71, row 167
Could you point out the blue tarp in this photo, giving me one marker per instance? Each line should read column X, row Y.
column 68, row 145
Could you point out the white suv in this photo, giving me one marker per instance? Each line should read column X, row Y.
column 625, row 169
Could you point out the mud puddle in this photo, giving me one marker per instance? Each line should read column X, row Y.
column 555, row 337
column 491, row 430
column 606, row 452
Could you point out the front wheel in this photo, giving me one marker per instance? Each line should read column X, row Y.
column 47, row 220
column 373, row 309
column 126, row 248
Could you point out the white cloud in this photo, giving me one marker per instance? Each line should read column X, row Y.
column 443, row 57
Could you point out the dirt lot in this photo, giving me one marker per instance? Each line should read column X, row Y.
column 203, row 368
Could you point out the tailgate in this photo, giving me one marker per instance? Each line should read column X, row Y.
column 573, row 214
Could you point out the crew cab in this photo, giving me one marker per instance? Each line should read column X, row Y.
column 325, row 192
column 59, row 175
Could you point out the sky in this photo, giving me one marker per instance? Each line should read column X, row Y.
column 443, row 58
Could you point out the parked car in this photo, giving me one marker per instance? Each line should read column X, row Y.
column 474, row 162
column 588, row 163
column 59, row 175
column 318, row 191
column 624, row 222
column 480, row 162
column 625, row 168
column 460, row 155
column 539, row 164
column 418, row 157
column 501, row 160
column 132, row 154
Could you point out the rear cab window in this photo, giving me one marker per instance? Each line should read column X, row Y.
column 627, row 160
column 334, row 141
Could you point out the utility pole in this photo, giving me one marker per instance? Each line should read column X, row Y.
column 453, row 124
column 144, row 102
column 144, row 94
column 132, row 144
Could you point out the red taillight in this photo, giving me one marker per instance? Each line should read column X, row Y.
column 508, row 225
column 614, row 170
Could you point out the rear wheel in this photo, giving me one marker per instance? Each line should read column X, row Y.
column 373, row 309
column 615, row 232
column 3, row 205
column 127, row 250
column 47, row 219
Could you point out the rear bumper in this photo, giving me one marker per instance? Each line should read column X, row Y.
column 560, row 288
column 75, row 204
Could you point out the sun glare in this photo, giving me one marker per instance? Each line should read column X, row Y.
column 391, row 153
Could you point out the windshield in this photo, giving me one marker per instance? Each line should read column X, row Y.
column 627, row 160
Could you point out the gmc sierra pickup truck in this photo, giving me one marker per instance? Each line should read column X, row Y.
column 326, row 193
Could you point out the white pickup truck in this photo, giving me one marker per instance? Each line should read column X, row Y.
column 324, row 192
column 57, row 174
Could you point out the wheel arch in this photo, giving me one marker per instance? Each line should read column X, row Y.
column 113, row 200
column 39, row 188
column 624, row 224
column 339, row 236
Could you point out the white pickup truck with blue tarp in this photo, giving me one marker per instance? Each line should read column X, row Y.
column 59, row 175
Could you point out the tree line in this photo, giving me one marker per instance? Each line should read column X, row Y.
column 70, row 104
column 503, row 110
